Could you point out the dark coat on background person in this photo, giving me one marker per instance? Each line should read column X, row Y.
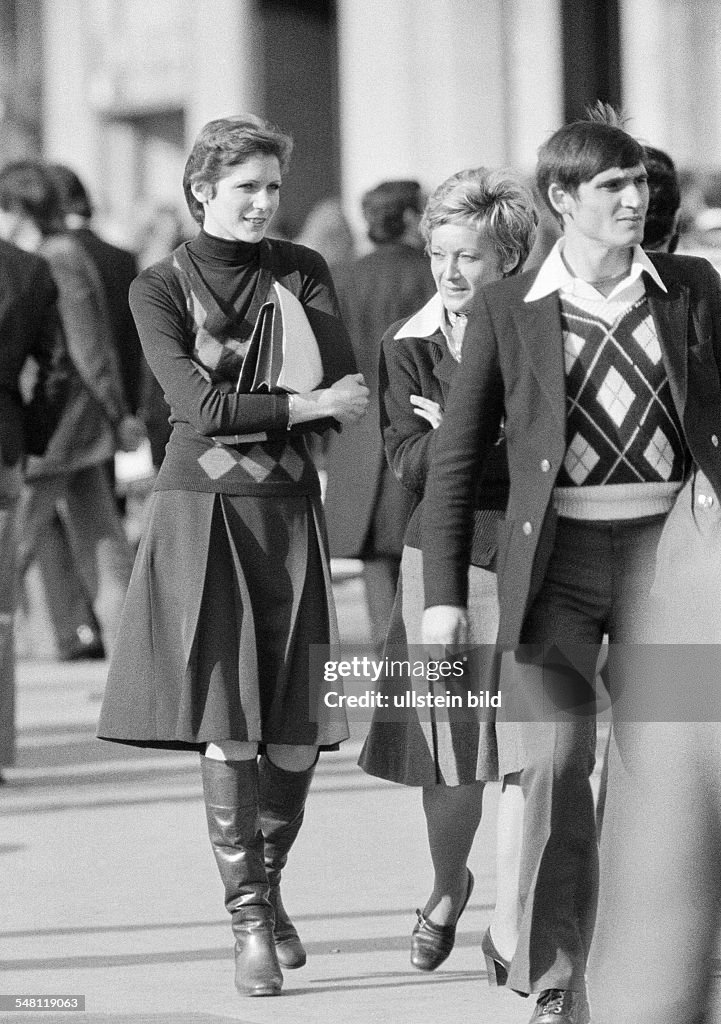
column 29, row 331
column 29, row 328
column 117, row 268
column 85, row 435
column 366, row 507
column 514, row 368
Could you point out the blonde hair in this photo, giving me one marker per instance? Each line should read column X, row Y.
column 493, row 199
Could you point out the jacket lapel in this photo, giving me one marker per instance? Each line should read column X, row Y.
column 539, row 328
column 670, row 315
column 444, row 365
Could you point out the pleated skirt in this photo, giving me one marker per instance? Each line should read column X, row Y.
column 227, row 594
column 438, row 746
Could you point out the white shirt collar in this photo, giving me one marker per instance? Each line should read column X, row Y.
column 426, row 321
column 554, row 275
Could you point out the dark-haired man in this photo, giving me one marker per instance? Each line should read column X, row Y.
column 604, row 365
column 661, row 230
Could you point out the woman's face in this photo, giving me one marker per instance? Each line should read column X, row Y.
column 463, row 259
column 244, row 201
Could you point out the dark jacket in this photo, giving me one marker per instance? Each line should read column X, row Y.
column 117, row 269
column 29, row 328
column 366, row 508
column 85, row 435
column 513, row 366
column 424, row 366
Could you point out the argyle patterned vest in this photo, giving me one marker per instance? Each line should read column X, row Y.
column 622, row 425
column 264, row 463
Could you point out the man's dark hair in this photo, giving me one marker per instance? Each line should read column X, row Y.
column 74, row 197
column 579, row 151
column 384, row 209
column 26, row 186
column 664, row 200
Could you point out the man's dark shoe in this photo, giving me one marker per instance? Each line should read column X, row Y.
column 561, row 1006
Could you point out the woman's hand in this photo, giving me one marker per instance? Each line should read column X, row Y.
column 427, row 410
column 346, row 400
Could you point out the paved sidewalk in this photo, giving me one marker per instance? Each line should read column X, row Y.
column 111, row 889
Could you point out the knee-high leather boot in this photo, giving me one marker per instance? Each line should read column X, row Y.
column 282, row 798
column 231, row 806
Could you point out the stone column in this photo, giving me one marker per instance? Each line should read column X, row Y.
column 69, row 134
column 226, row 76
column 672, row 76
column 427, row 89
column 534, row 61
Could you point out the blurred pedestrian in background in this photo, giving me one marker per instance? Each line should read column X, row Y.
column 161, row 233
column 31, row 336
column 116, row 269
column 70, row 478
column 366, row 506
column 231, row 583
column 77, row 631
column 661, row 230
column 479, row 226
column 326, row 230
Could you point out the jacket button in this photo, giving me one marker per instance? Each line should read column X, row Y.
column 545, row 465
column 527, row 529
column 714, row 440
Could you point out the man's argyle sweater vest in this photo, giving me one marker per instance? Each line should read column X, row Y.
column 622, row 425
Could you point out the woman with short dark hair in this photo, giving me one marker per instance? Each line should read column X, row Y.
column 232, row 584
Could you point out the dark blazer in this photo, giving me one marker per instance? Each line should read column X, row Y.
column 29, row 327
column 424, row 366
column 513, row 367
column 117, row 268
column 374, row 291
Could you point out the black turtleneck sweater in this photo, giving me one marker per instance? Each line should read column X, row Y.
column 194, row 311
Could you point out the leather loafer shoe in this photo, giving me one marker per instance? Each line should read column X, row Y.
column 431, row 943
column 561, row 1006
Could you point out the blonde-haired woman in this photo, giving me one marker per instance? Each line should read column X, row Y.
column 479, row 225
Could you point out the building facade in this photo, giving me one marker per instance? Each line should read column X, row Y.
column 371, row 89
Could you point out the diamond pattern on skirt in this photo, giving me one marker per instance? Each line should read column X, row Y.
column 257, row 463
column 292, row 463
column 580, row 459
column 216, row 462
